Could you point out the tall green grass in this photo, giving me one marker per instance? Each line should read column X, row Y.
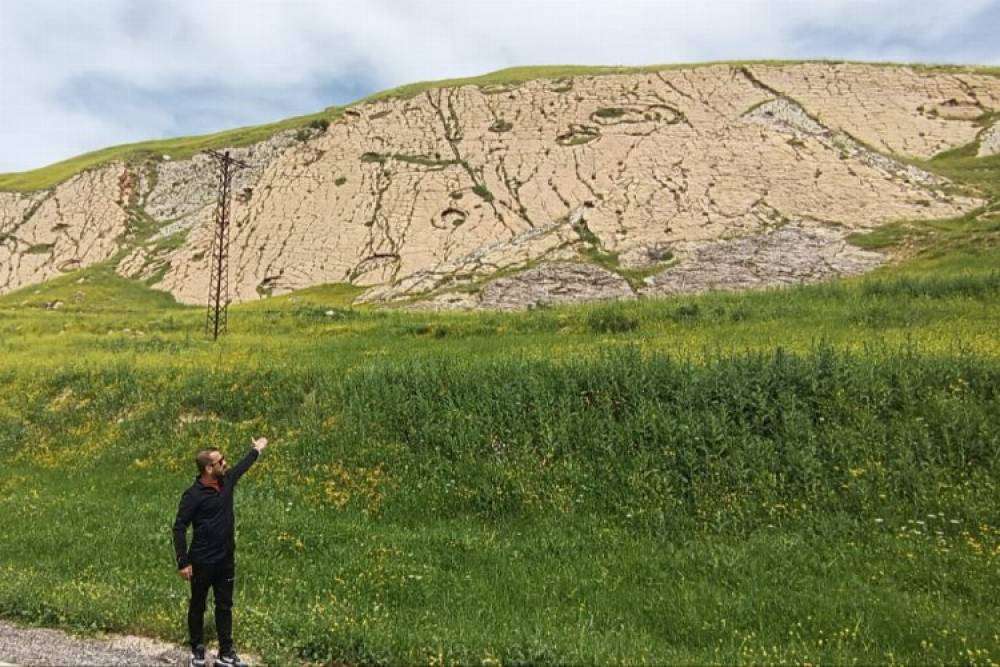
column 795, row 475
column 825, row 506
column 674, row 442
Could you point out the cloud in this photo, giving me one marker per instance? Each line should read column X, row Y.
column 80, row 76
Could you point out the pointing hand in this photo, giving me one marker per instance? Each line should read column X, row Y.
column 259, row 443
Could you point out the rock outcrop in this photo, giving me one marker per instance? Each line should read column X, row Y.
column 78, row 223
column 442, row 190
column 793, row 254
column 989, row 141
column 546, row 285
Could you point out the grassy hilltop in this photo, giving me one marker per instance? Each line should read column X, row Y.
column 804, row 475
column 179, row 148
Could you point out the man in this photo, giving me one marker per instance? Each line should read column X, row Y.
column 208, row 503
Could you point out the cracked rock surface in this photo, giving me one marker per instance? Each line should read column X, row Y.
column 549, row 284
column 411, row 196
column 430, row 191
column 790, row 255
column 45, row 234
column 989, row 141
column 181, row 188
column 902, row 110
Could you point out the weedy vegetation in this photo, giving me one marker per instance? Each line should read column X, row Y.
column 807, row 474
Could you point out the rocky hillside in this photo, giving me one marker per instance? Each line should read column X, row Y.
column 590, row 186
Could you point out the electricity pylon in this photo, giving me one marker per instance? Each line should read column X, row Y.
column 218, row 284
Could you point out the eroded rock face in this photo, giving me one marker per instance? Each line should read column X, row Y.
column 900, row 110
column 549, row 284
column 177, row 190
column 989, row 141
column 79, row 223
column 789, row 255
column 783, row 115
column 793, row 254
column 416, row 195
column 411, row 195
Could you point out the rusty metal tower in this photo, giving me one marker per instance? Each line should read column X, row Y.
column 218, row 284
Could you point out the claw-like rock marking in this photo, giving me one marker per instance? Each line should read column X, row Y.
column 408, row 196
column 77, row 224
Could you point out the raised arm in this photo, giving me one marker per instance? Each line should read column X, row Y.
column 185, row 511
column 244, row 464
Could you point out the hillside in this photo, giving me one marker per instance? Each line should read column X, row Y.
column 536, row 186
column 797, row 475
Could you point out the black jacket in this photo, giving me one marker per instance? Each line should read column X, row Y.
column 211, row 512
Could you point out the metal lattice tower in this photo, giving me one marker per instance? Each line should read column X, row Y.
column 218, row 284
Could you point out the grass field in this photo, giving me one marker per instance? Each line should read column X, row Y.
column 804, row 475
column 799, row 475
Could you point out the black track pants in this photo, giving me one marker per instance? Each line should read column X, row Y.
column 220, row 577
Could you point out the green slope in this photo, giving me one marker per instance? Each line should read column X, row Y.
column 177, row 149
column 802, row 475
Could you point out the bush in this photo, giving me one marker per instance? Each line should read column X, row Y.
column 611, row 319
column 612, row 112
column 935, row 287
column 688, row 312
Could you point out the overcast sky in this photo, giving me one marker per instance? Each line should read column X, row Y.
column 77, row 75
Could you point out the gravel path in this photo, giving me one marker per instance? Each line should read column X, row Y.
column 41, row 646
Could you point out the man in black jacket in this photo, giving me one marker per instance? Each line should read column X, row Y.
column 210, row 563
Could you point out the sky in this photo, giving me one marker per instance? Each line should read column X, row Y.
column 78, row 75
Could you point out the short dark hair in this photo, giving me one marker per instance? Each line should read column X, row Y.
column 204, row 458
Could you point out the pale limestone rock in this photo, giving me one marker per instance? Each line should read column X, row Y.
column 785, row 116
column 132, row 265
column 989, row 141
column 409, row 196
column 792, row 254
column 548, row 284
column 14, row 207
column 553, row 284
column 72, row 226
column 679, row 162
column 184, row 187
column 895, row 109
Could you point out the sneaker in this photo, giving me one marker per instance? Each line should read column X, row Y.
column 197, row 658
column 230, row 660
